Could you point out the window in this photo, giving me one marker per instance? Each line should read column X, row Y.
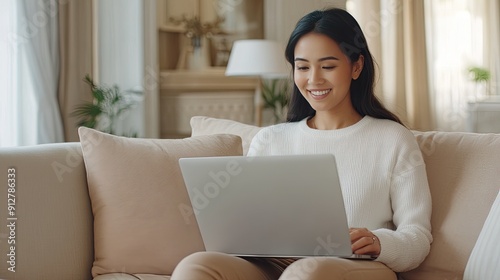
column 29, row 73
column 456, row 41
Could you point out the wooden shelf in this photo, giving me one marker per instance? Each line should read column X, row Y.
column 212, row 79
column 169, row 28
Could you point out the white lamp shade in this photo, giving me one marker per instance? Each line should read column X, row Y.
column 262, row 58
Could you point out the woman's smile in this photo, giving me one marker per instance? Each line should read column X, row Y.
column 317, row 92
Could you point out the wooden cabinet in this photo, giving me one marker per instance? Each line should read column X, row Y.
column 184, row 94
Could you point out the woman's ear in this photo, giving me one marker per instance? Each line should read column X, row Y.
column 357, row 67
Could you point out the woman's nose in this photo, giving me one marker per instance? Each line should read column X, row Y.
column 315, row 77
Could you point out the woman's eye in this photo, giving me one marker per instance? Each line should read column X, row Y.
column 328, row 67
column 302, row 68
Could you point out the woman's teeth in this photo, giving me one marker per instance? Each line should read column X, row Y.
column 319, row 92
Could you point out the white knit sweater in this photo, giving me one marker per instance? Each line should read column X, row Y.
column 383, row 179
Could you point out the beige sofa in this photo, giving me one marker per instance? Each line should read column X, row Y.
column 62, row 231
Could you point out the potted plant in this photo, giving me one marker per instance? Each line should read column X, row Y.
column 480, row 76
column 108, row 103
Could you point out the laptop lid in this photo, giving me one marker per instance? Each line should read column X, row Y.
column 270, row 206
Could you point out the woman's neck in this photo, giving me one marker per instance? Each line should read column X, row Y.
column 328, row 121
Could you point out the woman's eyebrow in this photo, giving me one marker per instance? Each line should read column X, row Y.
column 321, row 59
column 328, row 58
column 300, row 59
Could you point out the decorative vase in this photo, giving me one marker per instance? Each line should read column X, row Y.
column 195, row 57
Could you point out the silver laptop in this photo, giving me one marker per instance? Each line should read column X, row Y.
column 269, row 206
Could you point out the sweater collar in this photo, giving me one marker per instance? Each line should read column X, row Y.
column 350, row 129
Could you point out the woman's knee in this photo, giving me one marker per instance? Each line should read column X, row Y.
column 199, row 265
column 201, row 258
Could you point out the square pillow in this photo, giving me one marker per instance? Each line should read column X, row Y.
column 206, row 126
column 143, row 220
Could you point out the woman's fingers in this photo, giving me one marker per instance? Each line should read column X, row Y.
column 364, row 242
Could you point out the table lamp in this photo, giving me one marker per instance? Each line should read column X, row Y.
column 257, row 58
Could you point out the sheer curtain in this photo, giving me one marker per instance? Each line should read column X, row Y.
column 462, row 34
column 8, row 101
column 424, row 49
column 395, row 31
column 29, row 107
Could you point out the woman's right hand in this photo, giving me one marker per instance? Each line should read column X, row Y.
column 364, row 242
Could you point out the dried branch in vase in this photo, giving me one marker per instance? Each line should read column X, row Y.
column 195, row 28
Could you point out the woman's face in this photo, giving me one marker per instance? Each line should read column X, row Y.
column 323, row 73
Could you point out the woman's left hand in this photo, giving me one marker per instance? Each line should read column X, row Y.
column 364, row 242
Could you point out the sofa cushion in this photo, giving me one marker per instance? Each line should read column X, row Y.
column 485, row 258
column 143, row 220
column 462, row 170
column 205, row 126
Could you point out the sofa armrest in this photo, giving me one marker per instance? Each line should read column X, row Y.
column 49, row 233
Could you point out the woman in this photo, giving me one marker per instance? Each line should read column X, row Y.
column 334, row 110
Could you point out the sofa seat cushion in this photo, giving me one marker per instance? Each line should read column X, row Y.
column 143, row 219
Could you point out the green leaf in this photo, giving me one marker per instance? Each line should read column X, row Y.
column 99, row 95
column 275, row 93
column 479, row 74
column 88, row 109
column 107, row 102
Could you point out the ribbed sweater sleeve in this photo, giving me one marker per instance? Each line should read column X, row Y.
column 382, row 176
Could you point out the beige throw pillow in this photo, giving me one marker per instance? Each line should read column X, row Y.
column 143, row 222
column 205, row 126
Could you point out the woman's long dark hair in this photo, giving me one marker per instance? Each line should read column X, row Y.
column 340, row 26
